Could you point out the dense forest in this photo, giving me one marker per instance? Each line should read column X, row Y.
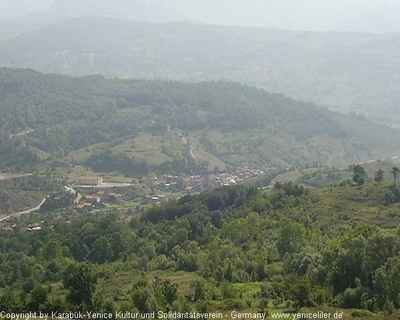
column 281, row 244
column 347, row 71
column 58, row 114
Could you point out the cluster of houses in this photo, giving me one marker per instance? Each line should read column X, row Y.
column 154, row 199
column 91, row 200
column 167, row 184
column 30, row 228
column 91, row 205
column 197, row 183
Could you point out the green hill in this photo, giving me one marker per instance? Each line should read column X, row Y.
column 288, row 249
column 345, row 71
column 217, row 121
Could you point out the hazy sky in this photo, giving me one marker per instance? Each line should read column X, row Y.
column 342, row 15
column 11, row 9
column 351, row 15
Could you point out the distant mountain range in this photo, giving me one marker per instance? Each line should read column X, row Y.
column 316, row 15
column 140, row 10
column 62, row 10
column 349, row 72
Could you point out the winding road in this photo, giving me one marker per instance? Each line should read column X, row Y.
column 25, row 211
column 73, row 191
column 37, row 208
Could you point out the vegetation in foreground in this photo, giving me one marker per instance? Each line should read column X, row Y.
column 234, row 248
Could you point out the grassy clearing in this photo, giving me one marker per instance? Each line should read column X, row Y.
column 202, row 155
column 293, row 175
column 75, row 171
column 81, row 155
column 247, row 290
column 144, row 147
column 182, row 279
column 147, row 147
column 119, row 284
column 42, row 155
column 354, row 205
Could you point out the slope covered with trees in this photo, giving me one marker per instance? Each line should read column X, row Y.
column 234, row 248
column 59, row 114
column 347, row 71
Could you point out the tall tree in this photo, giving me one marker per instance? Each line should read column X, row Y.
column 301, row 293
column 81, row 284
column 395, row 172
column 358, row 174
column 291, row 237
column 379, row 175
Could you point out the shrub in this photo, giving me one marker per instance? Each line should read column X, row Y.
column 360, row 313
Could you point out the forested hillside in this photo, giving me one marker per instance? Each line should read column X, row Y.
column 346, row 71
column 238, row 124
column 234, row 248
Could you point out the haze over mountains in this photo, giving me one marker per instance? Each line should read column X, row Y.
column 62, row 10
column 146, row 173
column 349, row 72
column 316, row 15
column 341, row 15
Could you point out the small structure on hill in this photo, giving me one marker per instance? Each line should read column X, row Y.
column 88, row 181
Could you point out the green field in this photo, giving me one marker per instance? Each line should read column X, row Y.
column 148, row 148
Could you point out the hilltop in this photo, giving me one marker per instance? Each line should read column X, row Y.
column 108, row 125
column 349, row 72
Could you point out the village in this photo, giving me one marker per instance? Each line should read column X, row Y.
column 187, row 184
column 163, row 188
column 91, row 196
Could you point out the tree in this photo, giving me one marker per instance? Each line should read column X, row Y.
column 389, row 198
column 167, row 289
column 358, row 174
column 140, row 298
column 81, row 283
column 379, row 176
column 301, row 293
column 199, row 288
column 393, row 284
column 216, row 219
column 395, row 172
column 291, row 237
column 38, row 297
column 101, row 250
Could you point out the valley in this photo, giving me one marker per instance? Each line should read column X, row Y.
column 159, row 169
